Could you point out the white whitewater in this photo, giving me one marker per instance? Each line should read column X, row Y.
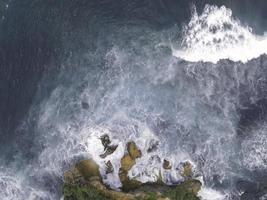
column 209, row 194
column 216, row 35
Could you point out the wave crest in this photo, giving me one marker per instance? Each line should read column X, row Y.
column 216, row 35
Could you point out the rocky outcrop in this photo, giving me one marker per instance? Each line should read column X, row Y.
column 127, row 162
column 84, row 182
column 108, row 148
column 187, row 170
column 166, row 165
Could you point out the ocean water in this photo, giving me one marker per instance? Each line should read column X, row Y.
column 189, row 79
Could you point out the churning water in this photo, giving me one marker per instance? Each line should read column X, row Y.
column 186, row 97
column 216, row 35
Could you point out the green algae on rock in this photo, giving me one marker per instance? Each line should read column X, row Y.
column 97, row 191
column 187, row 190
column 76, row 192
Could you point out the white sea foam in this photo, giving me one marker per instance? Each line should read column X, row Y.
column 254, row 149
column 13, row 186
column 10, row 186
column 210, row 194
column 216, row 35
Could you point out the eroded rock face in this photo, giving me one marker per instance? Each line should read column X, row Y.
column 127, row 162
column 88, row 169
column 133, row 151
column 83, row 182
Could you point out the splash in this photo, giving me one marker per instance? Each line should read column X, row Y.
column 254, row 149
column 216, row 35
column 13, row 186
column 210, row 194
column 10, row 186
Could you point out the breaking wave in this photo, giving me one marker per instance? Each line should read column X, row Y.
column 216, row 35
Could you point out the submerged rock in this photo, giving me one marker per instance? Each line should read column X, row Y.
column 85, row 105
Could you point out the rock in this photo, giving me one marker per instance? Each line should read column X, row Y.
column 94, row 190
column 133, row 151
column 109, row 151
column 111, row 194
column 166, row 165
column 77, row 192
column 127, row 183
column 83, row 181
column 88, row 169
column 187, row 170
column 187, row 190
column 127, row 162
column 105, row 141
column 109, row 167
column 72, row 176
column 193, row 186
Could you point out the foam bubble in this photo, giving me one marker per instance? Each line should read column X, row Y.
column 216, row 35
